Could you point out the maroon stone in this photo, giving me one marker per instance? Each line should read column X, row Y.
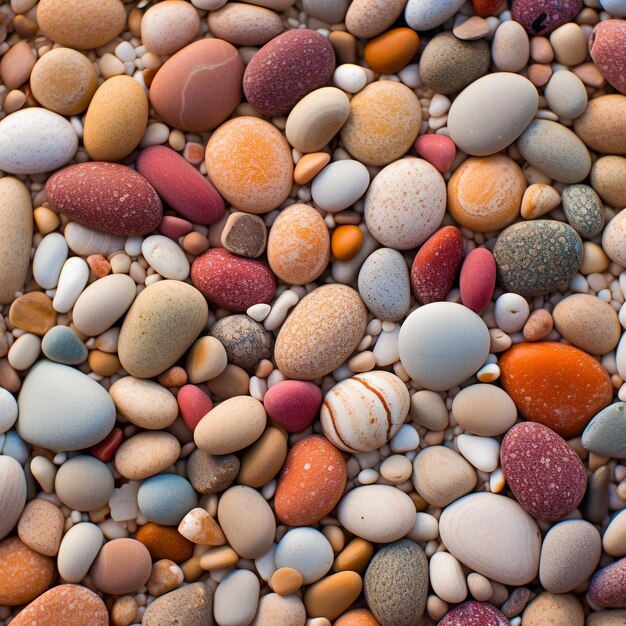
column 478, row 279
column 608, row 586
column 607, row 46
column 540, row 17
column 294, row 404
column 474, row 614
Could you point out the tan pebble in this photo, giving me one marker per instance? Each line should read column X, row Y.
column 363, row 362
column 262, row 461
column 218, row 558
column 12, row 493
column 335, row 536
column 355, row 556
column 233, row 381
column 473, row 28
column 594, row 259
column 14, row 101
column 555, row 610
column 122, row 566
column 541, row 50
column 46, row 220
column 484, row 409
column 614, row 538
column 590, row 75
column 614, row 239
column 164, row 577
column 603, row 124
column 616, row 617
column 195, row 243
column 206, row 360
column 41, row 527
column 9, row 378
column 345, row 46
column 538, row 200
column 124, row 611
column 84, row 483
column 33, row 313
column 16, row 65
column 539, row 74
column 608, row 178
column 103, row 364
column 285, row 581
column 332, row 595
column 429, row 410
column 510, row 47
column 309, row 166
column 168, row 26
column 538, row 325
column 146, row 454
column 368, row 18
column 174, row 377
column 135, row 18
column 245, row 25
column 277, row 610
column 569, row 44
column 200, row 528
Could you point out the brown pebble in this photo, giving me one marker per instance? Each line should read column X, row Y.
column 262, row 461
column 16, row 65
column 233, row 381
column 538, row 325
column 9, row 378
column 41, row 526
column 24, row 26
column 165, row 577
column 209, row 473
column 124, row 611
column 122, row 566
column 286, row 580
column 517, row 602
column 345, row 45
column 33, row 313
column 355, row 556
column 473, row 28
column 195, row 243
column 244, row 234
column 539, row 74
column 103, row 363
column 173, row 377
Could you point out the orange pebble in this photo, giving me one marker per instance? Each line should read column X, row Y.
column 357, row 617
column 346, row 242
column 103, row 363
column 173, row 377
column 164, row 542
column 98, row 265
column 391, row 51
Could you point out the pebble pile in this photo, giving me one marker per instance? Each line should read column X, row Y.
column 313, row 313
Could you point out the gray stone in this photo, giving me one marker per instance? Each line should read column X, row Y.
column 246, row 341
column 606, row 432
column 63, row 345
column 584, row 210
column 209, row 473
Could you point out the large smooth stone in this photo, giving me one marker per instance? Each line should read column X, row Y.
column 493, row 536
column 606, row 432
column 162, row 323
column 62, row 409
column 442, row 344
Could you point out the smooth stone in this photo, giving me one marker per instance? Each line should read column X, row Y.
column 246, row 342
column 543, row 145
column 35, row 141
column 16, row 233
column 293, row 404
column 377, row 513
column 484, row 410
column 211, row 474
column 166, row 498
column 431, row 339
column 613, row 241
column 607, row 178
column 48, row 261
column 615, row 7
column 613, row 540
column 83, row 483
column 447, row 578
column 604, row 434
column 605, row 46
column 206, row 360
column 556, row 609
column 331, row 596
column 160, row 326
column 307, row 551
column 542, row 17
column 602, row 126
column 566, row 95
column 494, row 536
column 583, row 209
column 263, row 459
column 396, row 584
column 33, row 313
column 165, row 257
column 191, row 604
column 569, row 555
column 405, row 203
column 79, row 547
column 123, row 565
column 62, row 345
column 607, row 586
column 167, row 27
column 245, row 25
column 510, row 48
column 146, row 454
column 368, row 18
column 62, row 409
column 482, row 452
column 556, row 256
column 84, row 240
column 12, row 493
column 8, row 410
column 339, row 185
column 329, row 11
column 236, row 598
column 16, row 65
column 425, row 15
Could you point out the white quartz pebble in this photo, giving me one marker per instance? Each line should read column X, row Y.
column 72, row 281
column 407, row 438
column 236, row 598
column 166, row 257
column 349, row 77
column 339, row 185
column 512, row 312
column 386, row 348
column 482, row 452
column 306, row 550
column 85, row 241
column 49, row 258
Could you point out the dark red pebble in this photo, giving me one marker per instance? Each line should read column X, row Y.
column 106, row 449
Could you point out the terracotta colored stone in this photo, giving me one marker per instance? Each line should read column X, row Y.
column 474, row 613
column 311, row 483
column 232, row 282
column 478, row 279
column 436, row 265
column 357, row 617
column 485, row 8
column 33, row 313
column 546, row 476
column 543, row 16
column 555, row 384
column 164, row 542
column 122, row 566
column 105, row 450
column 346, row 242
column 294, row 404
column 16, row 65
column 608, row 586
column 438, row 150
column 391, row 51
column 607, row 46
column 193, row 404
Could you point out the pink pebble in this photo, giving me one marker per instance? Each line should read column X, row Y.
column 607, row 45
column 478, row 279
column 293, row 404
column 193, row 404
column 608, row 586
column 438, row 150
column 474, row 614
column 174, row 227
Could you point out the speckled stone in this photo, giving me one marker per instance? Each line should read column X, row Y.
column 603, row 124
column 606, row 432
column 368, row 18
column 191, row 605
column 209, row 473
column 448, row 64
column 396, row 584
column 607, row 49
column 474, row 614
column 583, row 209
column 245, row 340
column 535, row 257
column 555, row 610
column 540, row 17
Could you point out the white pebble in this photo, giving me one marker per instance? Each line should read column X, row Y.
column 386, row 348
column 426, row 528
column 488, row 373
column 24, row 351
column 49, row 258
column 125, row 52
column 72, row 281
column 406, row 439
column 368, row 476
column 259, row 312
column 155, row 135
column 166, row 257
column 447, row 578
column 482, row 452
column 8, row 410
column 349, row 77
column 277, row 316
column 132, row 246
column 410, row 76
column 511, row 312
column 265, row 565
column 86, row 241
column 439, row 105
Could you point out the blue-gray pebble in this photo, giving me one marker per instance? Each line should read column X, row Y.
column 63, row 345
column 606, row 432
column 62, row 409
column 166, row 498
column 584, row 210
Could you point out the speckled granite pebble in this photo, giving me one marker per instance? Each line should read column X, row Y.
column 245, row 340
column 608, row 586
column 474, row 613
column 191, row 605
column 583, row 209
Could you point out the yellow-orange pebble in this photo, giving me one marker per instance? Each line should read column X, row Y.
column 46, row 220
column 309, row 166
column 357, row 617
column 103, row 364
column 346, row 242
column 485, row 193
column 391, row 51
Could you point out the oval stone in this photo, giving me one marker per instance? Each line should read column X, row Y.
column 426, row 15
column 606, row 432
column 189, row 604
column 62, row 409
column 492, row 112
column 478, row 279
column 608, row 586
column 603, row 124
column 534, row 258
column 494, row 536
column 474, row 613
column 12, row 493
column 606, row 46
column 484, row 410
column 160, row 326
column 321, row 332
column 543, row 16
column 123, row 565
column 293, row 404
column 584, row 210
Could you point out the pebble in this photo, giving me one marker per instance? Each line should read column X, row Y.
column 247, row 521
column 236, row 598
column 293, row 404
column 246, row 341
column 588, row 323
column 35, row 141
column 281, row 73
column 200, row 528
column 250, row 164
column 425, row 341
column 569, row 555
column 331, row 596
column 607, row 175
column 478, row 279
column 346, row 242
column 311, row 483
column 12, row 493
column 53, row 403
column 539, row 17
column 144, row 402
column 146, row 454
column 160, row 326
column 321, row 332
column 329, row 11
column 33, row 313
column 16, row 232
column 396, row 584
column 613, row 538
column 474, row 613
column 206, row 360
column 424, row 15
column 286, row 581
column 211, row 474
column 556, row 385
column 377, row 513
column 8, row 410
column 169, row 26
column 83, row 483
column 79, row 547
column 90, row 24
column 482, row 452
column 192, row 604
column 198, row 101
column 307, row 551
column 263, row 459
column 339, row 185
column 166, row 498
column 377, row 399
column 558, row 609
column 438, row 150
column 16, row 65
column 390, row 52
column 122, row 566
column 298, row 246
column 604, row 433
column 405, row 203
column 164, row 542
column 584, row 210
column 483, row 206
column 601, row 126
column 566, row 95
column 193, row 404
column 384, row 121
column 441, row 475
column 606, row 48
column 65, row 604
column 276, row 610
column 484, row 410
column 536, row 257
column 494, row 536
column 48, row 261
column 368, row 18
column 179, row 183
column 446, row 577
column 511, row 312
column 538, row 200
column 436, row 265
column 542, row 142
column 510, row 47
column 244, row 234
column 116, row 119
column 491, row 113
column 607, row 586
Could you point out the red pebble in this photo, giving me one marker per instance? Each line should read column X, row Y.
column 607, row 46
column 232, row 282
column 436, row 265
column 608, row 586
column 478, row 279
column 545, row 475
column 438, row 150
column 485, row 8
column 181, row 185
column 293, row 404
column 106, row 196
column 174, row 227
column 540, row 17
column 193, row 404
column 474, row 614
column 105, row 450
